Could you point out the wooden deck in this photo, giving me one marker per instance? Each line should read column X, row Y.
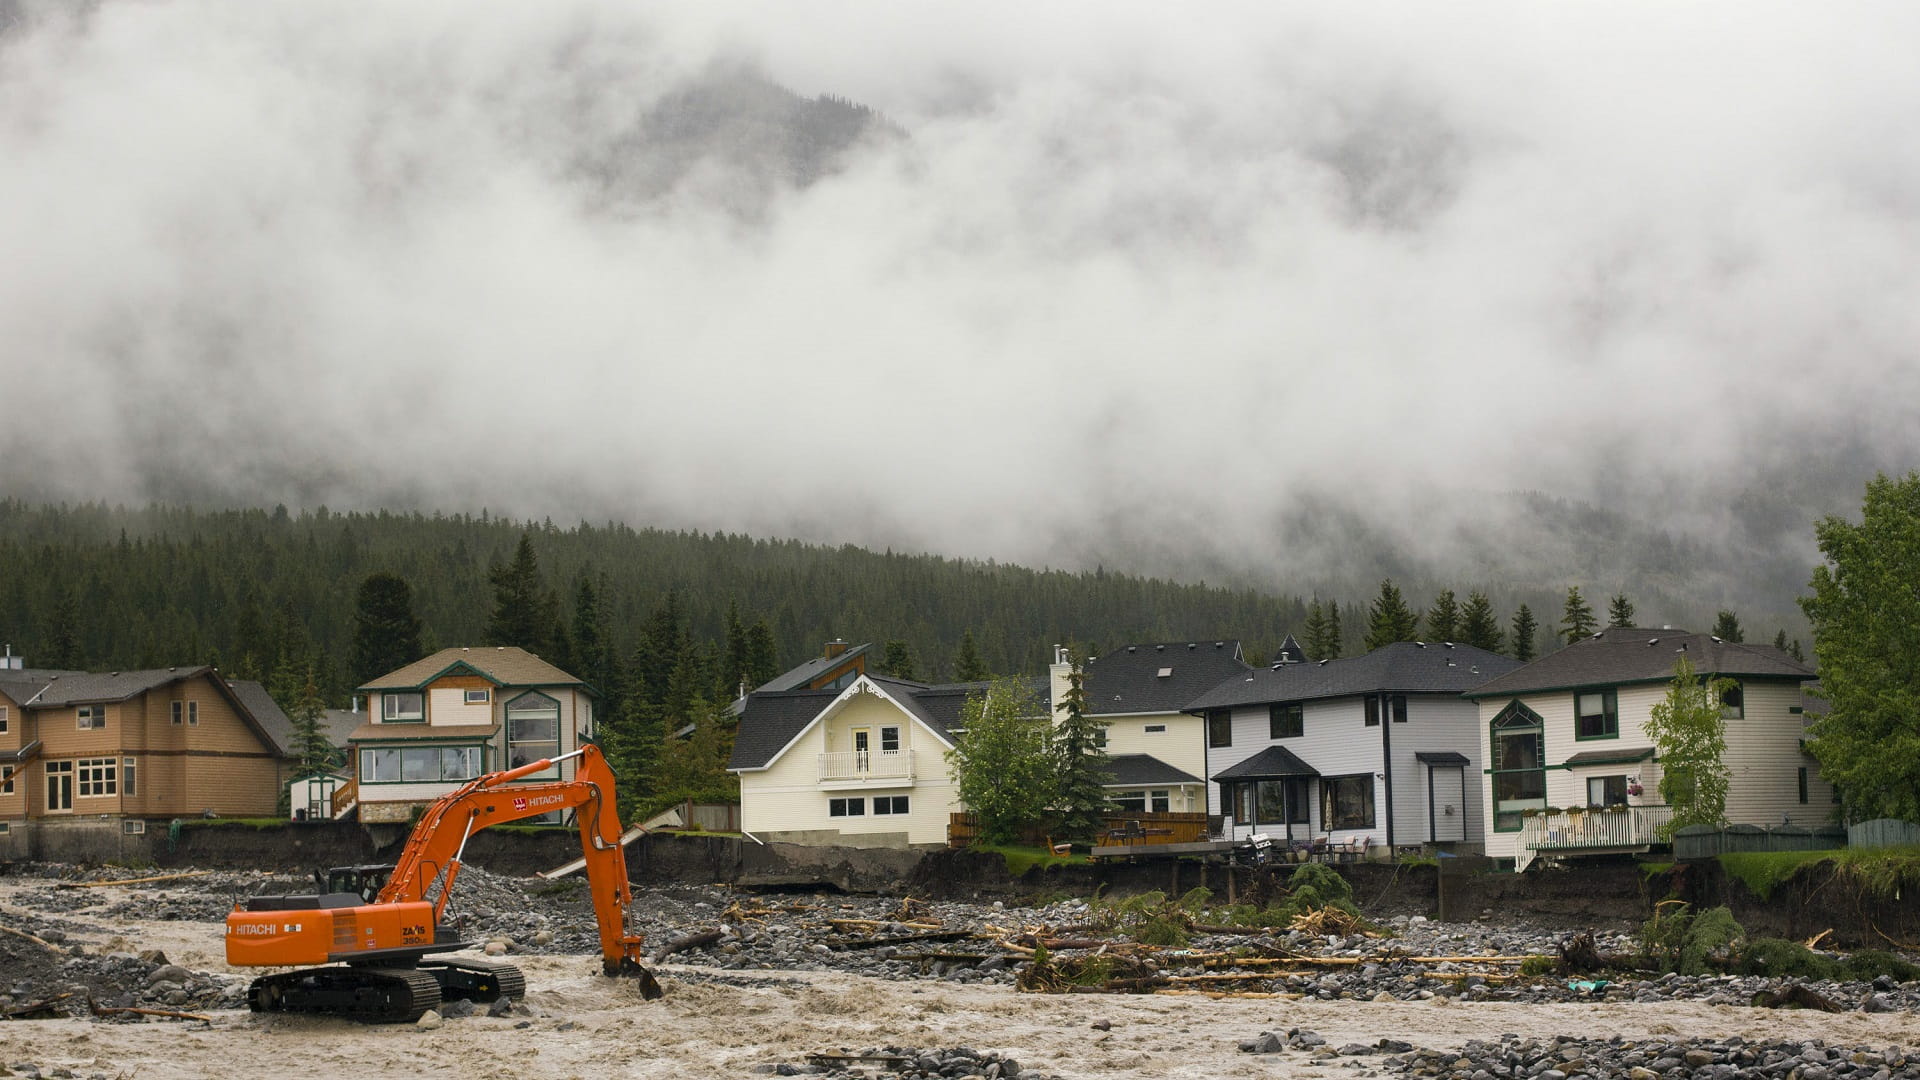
column 1162, row 851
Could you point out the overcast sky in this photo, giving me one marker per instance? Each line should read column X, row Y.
column 1135, row 282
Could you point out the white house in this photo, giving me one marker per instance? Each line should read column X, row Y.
column 1377, row 748
column 1567, row 733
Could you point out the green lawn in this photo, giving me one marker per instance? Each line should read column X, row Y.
column 1878, row 870
column 1023, row 857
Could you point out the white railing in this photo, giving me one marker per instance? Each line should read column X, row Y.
column 867, row 765
column 1572, row 830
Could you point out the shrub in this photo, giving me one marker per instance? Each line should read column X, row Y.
column 1677, row 939
column 1783, row 959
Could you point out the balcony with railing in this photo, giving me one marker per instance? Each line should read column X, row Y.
column 1593, row 831
column 863, row 767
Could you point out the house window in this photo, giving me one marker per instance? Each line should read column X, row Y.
column 193, row 713
column 92, row 716
column 126, row 777
column 59, row 785
column 1803, row 785
column 1287, row 721
column 533, row 731
column 175, row 710
column 846, row 807
column 1399, row 704
column 1143, row 802
column 1100, row 736
column 3, row 719
column 1519, row 766
column 1219, row 729
column 1155, row 729
column 889, row 740
column 1733, row 702
column 478, row 697
column 6, row 779
column 1241, row 795
column 408, row 708
column 99, row 776
column 1596, row 715
column 1606, row 791
column 890, row 804
column 1281, row 802
column 1346, row 802
column 1373, row 711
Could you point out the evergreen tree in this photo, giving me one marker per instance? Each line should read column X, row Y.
column 1000, row 762
column 967, row 665
column 1443, row 619
column 631, row 740
column 659, row 650
column 694, row 768
column 1620, row 610
column 1726, row 627
column 897, row 661
column 1318, row 632
column 1576, row 618
column 733, row 673
column 1524, row 629
column 1391, row 619
column 1790, row 648
column 763, row 659
column 1336, row 637
column 1478, row 627
column 525, row 611
column 309, row 740
column 63, row 640
column 1081, row 768
column 386, row 632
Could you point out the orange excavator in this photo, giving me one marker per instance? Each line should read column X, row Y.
column 373, row 927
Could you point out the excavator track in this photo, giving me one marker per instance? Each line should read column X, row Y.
column 368, row 994
column 477, row 980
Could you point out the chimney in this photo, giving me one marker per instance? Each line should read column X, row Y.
column 835, row 648
column 11, row 662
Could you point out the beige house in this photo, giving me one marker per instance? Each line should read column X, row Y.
column 1567, row 733
column 450, row 717
column 135, row 745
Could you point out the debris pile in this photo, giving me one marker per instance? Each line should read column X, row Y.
column 1732, row 1058
column 905, row 1063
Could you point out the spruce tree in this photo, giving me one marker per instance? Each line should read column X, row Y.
column 1316, row 630
column 386, row 632
column 897, row 661
column 63, row 640
column 1576, row 617
column 1524, row 629
column 1081, row 768
column 1620, row 610
column 1336, row 637
column 1391, row 620
column 658, row 651
column 1478, row 627
column 763, row 659
column 310, row 743
column 525, row 611
column 1443, row 619
column 1726, row 627
column 967, row 665
column 733, row 672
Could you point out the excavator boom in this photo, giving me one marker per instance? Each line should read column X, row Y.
column 381, row 942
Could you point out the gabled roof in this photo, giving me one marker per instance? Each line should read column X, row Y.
column 1632, row 655
column 1289, row 652
column 798, row 678
column 19, row 687
column 1403, row 667
column 1141, row 770
column 1273, row 763
column 273, row 720
column 502, row 665
column 770, row 721
column 1158, row 677
column 88, row 688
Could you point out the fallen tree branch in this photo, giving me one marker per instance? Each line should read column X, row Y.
column 42, row 942
column 690, row 941
column 109, row 1010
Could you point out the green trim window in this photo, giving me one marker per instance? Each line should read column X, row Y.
column 1596, row 714
column 419, row 764
column 533, row 732
column 1281, row 802
column 1346, row 802
column 1219, row 729
column 1733, row 702
column 1287, row 721
column 1519, row 766
column 1603, row 791
column 403, row 708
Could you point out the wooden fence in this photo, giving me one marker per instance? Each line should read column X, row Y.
column 964, row 828
column 1706, row 841
column 1883, row 832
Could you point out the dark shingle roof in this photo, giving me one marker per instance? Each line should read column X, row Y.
column 273, row 720
column 799, row 677
column 1270, row 764
column 1630, row 655
column 20, row 689
column 1131, row 679
column 1404, row 666
column 1440, row 757
column 1609, row 757
column 770, row 719
column 1290, row 651
column 1137, row 770
column 87, row 688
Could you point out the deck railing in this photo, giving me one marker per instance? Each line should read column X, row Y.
column 344, row 796
column 1573, row 830
column 867, row 765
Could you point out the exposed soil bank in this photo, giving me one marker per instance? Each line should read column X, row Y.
column 1819, row 896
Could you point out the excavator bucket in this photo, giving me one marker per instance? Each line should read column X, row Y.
column 632, row 969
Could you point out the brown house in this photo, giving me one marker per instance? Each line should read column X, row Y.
column 172, row 742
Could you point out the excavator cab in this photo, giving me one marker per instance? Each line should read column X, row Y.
column 366, row 880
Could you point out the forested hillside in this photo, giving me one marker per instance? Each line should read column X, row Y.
column 100, row 587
